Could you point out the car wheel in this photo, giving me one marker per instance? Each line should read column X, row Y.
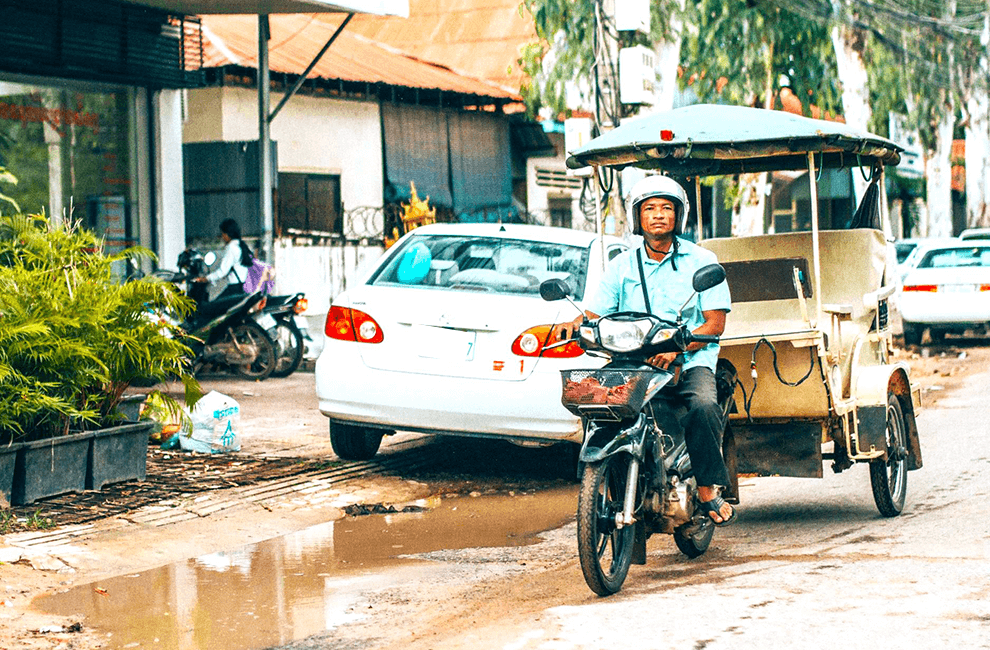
column 912, row 333
column 938, row 336
column 353, row 442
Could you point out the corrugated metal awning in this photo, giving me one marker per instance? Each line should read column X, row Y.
column 232, row 40
column 261, row 7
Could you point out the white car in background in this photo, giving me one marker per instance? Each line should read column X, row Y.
column 975, row 233
column 448, row 334
column 917, row 246
column 947, row 290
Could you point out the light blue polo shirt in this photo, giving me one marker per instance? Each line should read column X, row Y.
column 620, row 290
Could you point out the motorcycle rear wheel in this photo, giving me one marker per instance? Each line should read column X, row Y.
column 289, row 348
column 604, row 549
column 250, row 333
column 693, row 539
column 888, row 478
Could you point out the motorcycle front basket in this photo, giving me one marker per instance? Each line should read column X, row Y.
column 605, row 394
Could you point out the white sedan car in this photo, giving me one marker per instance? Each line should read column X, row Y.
column 947, row 290
column 448, row 334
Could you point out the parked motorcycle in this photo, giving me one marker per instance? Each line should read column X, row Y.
column 223, row 332
column 636, row 477
column 279, row 319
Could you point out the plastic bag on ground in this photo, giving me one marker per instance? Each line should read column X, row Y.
column 216, row 425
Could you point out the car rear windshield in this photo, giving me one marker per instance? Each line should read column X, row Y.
column 955, row 257
column 486, row 264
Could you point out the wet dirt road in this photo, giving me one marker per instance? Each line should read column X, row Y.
column 810, row 563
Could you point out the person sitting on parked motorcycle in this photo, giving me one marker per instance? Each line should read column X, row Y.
column 658, row 209
column 237, row 257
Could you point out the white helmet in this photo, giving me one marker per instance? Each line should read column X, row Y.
column 656, row 186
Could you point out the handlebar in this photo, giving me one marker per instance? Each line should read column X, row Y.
column 705, row 338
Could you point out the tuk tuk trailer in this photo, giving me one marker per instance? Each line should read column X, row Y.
column 810, row 316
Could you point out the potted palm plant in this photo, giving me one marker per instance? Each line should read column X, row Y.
column 73, row 337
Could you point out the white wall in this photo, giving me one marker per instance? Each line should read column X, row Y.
column 314, row 134
column 320, row 271
column 537, row 196
column 170, row 197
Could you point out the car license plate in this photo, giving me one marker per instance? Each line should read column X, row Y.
column 445, row 343
column 958, row 288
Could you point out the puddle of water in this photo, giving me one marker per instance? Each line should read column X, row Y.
column 301, row 584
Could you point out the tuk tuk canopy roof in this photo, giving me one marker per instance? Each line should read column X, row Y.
column 712, row 140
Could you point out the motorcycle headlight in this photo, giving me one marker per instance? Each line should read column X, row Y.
column 623, row 336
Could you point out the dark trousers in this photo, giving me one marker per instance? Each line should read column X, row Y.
column 702, row 425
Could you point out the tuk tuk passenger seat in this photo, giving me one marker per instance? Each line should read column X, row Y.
column 767, row 276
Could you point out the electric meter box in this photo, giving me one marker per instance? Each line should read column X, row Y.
column 577, row 133
column 632, row 16
column 637, row 75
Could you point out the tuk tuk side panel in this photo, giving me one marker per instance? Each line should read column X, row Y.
column 873, row 385
column 772, row 399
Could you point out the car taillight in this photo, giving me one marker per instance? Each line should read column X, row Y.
column 932, row 288
column 346, row 324
column 985, row 287
column 533, row 342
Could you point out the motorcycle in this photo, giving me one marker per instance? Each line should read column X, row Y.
column 222, row 333
column 636, row 477
column 279, row 319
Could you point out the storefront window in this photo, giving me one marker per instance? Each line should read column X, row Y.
column 71, row 151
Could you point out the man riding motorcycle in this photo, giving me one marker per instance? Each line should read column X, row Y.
column 665, row 264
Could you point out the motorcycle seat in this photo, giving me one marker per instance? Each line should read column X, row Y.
column 220, row 306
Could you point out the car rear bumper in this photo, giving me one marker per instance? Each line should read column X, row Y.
column 948, row 309
column 521, row 410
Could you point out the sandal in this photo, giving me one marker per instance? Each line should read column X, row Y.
column 715, row 505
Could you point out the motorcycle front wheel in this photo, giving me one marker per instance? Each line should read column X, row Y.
column 605, row 550
column 290, row 349
column 250, row 335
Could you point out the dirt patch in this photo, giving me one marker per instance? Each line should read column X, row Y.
column 940, row 369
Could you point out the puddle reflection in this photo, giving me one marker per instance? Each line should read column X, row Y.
column 304, row 583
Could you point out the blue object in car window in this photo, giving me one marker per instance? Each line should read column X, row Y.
column 415, row 264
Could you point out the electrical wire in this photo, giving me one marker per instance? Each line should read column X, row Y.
column 748, row 401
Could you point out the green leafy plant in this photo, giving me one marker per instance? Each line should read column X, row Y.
column 73, row 337
column 9, row 522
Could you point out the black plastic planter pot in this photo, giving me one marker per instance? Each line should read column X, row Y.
column 119, row 454
column 8, row 461
column 53, row 466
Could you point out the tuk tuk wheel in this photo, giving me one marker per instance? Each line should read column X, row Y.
column 889, row 477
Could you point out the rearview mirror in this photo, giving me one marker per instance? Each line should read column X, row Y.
column 707, row 277
column 554, row 289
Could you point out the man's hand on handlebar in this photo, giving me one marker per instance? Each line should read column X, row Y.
column 664, row 360
column 565, row 331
